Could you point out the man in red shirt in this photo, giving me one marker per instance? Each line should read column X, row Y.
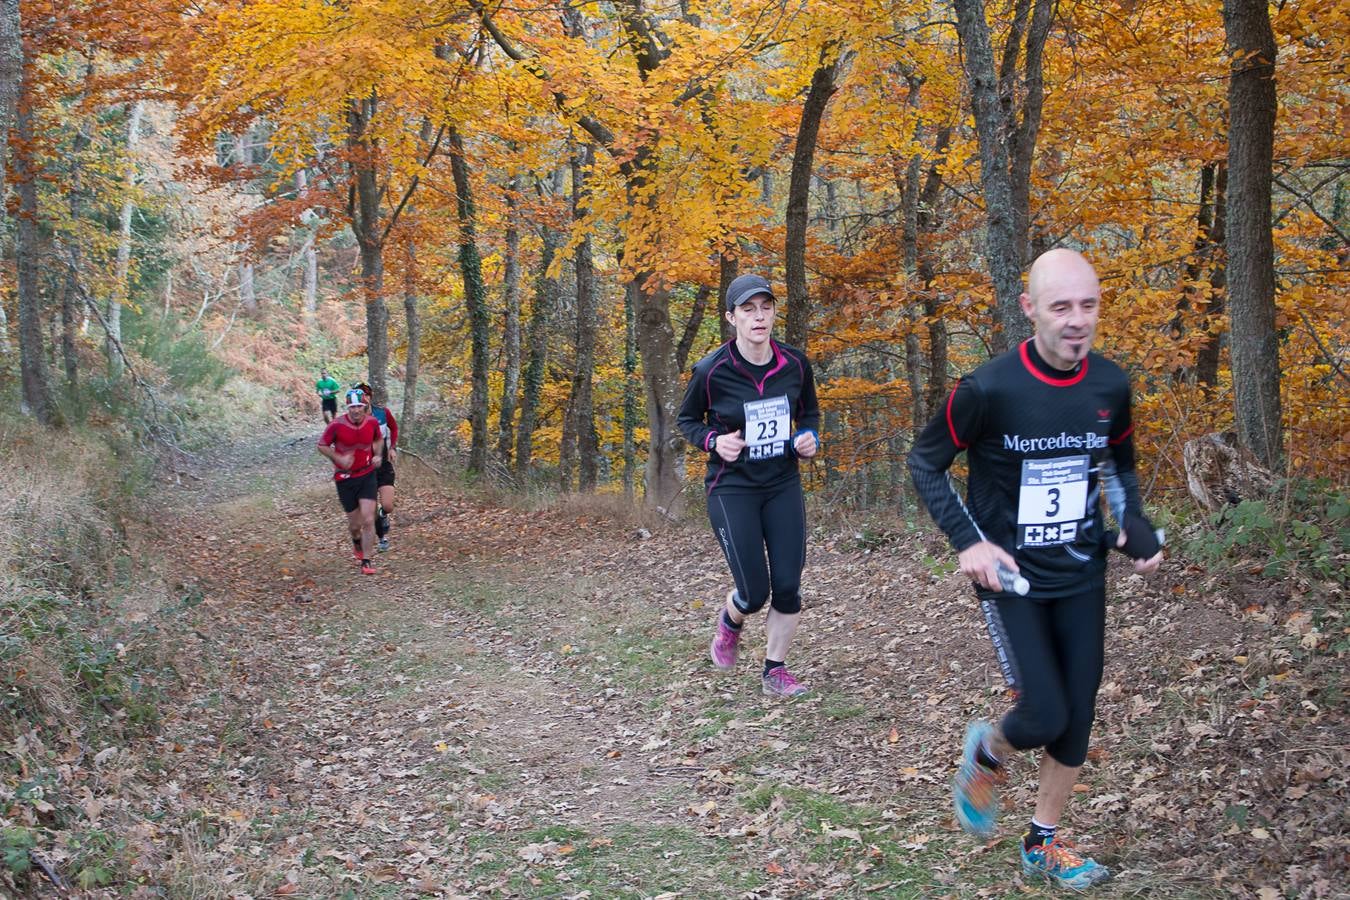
column 354, row 443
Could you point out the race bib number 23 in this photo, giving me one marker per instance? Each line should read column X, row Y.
column 767, row 424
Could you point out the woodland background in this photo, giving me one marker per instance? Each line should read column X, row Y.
column 516, row 221
column 552, row 198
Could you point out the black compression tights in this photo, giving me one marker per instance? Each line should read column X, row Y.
column 749, row 526
column 1051, row 653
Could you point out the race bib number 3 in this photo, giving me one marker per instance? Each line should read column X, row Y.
column 767, row 423
column 1052, row 500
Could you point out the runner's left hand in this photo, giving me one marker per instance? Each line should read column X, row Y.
column 805, row 445
column 1143, row 566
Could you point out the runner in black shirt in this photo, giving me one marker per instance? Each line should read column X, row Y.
column 1046, row 429
column 751, row 406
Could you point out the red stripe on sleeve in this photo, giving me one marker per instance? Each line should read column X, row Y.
column 951, row 427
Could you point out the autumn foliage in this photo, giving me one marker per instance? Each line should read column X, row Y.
column 285, row 127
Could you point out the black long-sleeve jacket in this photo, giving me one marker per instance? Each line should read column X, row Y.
column 779, row 399
column 1042, row 446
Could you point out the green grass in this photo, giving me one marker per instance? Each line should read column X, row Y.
column 637, row 658
column 627, row 861
column 888, row 858
column 712, row 722
column 840, row 708
column 492, row 600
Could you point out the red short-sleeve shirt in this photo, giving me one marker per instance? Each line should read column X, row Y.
column 345, row 437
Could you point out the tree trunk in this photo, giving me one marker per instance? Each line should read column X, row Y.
column 580, row 441
column 413, row 362
column 908, row 177
column 11, row 73
column 363, row 207
column 1003, row 246
column 511, row 324
column 70, row 293
column 1195, row 320
column 663, row 478
column 927, row 269
column 697, row 311
column 1022, row 135
column 546, row 292
column 475, row 298
column 630, row 390
column 1252, row 104
column 32, row 358
column 1190, row 296
column 823, row 87
column 122, row 287
column 1207, row 357
column 248, row 295
column 583, row 397
column 728, row 268
column 309, row 256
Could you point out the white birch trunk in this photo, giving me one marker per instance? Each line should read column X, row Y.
column 122, row 289
column 248, row 297
column 309, row 257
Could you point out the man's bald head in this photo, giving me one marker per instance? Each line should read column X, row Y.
column 1062, row 301
column 1057, row 266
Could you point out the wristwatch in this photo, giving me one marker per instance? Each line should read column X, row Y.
column 712, row 445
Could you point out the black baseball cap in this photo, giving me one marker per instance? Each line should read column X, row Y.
column 744, row 287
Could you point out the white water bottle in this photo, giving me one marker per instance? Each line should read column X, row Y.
column 1012, row 581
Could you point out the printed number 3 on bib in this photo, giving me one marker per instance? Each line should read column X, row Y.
column 767, row 423
column 1052, row 500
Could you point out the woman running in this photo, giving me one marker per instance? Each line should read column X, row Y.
column 751, row 405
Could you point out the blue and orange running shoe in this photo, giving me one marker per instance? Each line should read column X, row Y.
column 975, row 788
column 1058, row 863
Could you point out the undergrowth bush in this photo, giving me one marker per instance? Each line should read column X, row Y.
column 71, row 673
column 1301, row 530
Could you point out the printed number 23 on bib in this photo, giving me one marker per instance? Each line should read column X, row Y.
column 1052, row 500
column 767, row 423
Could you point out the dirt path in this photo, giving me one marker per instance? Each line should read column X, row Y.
column 519, row 705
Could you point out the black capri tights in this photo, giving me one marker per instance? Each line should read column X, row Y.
column 1051, row 654
column 748, row 525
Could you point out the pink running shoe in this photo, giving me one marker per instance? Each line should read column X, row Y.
column 724, row 645
column 781, row 683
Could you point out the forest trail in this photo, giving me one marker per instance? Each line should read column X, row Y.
column 520, row 704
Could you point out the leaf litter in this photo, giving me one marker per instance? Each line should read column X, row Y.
column 520, row 686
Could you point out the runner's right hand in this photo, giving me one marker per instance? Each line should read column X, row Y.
column 344, row 460
column 729, row 446
column 979, row 563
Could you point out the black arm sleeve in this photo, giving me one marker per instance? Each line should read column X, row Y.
column 934, row 450
column 693, row 411
column 1122, row 455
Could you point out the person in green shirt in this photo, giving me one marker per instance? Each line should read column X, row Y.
column 328, row 391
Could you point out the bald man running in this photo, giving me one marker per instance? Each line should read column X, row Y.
column 1046, row 428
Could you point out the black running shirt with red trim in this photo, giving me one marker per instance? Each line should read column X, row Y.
column 1041, row 446
column 779, row 401
column 345, row 437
